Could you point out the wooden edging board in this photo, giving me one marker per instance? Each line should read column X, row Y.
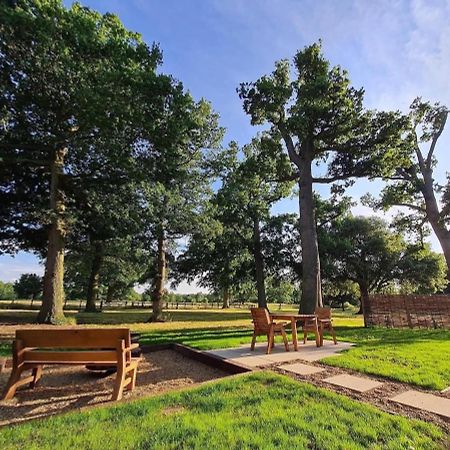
column 203, row 357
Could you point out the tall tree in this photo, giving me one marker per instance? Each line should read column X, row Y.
column 216, row 257
column 412, row 183
column 320, row 118
column 249, row 190
column 72, row 86
column 29, row 285
column 177, row 183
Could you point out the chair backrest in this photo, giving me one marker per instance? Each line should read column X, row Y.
column 323, row 313
column 100, row 338
column 261, row 319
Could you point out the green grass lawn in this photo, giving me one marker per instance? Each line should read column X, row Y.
column 413, row 356
column 5, row 349
column 257, row 411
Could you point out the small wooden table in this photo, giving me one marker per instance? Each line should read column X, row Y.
column 293, row 318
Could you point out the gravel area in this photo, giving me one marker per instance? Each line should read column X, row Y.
column 66, row 388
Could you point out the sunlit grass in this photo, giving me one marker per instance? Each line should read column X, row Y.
column 411, row 356
column 256, row 411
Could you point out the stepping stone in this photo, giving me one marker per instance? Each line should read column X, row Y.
column 252, row 361
column 358, row 384
column 426, row 402
column 282, row 357
column 301, row 369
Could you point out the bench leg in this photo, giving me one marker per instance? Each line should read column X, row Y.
column 132, row 384
column 119, row 384
column 37, row 374
column 252, row 347
column 13, row 383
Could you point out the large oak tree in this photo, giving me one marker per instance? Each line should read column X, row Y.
column 320, row 118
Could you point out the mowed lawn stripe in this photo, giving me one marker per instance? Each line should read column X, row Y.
column 260, row 410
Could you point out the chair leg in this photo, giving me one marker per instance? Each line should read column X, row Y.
column 252, row 347
column 333, row 334
column 271, row 340
column 13, row 383
column 285, row 340
column 37, row 374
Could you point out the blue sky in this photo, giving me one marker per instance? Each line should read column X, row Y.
column 396, row 50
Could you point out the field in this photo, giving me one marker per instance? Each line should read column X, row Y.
column 260, row 410
column 413, row 356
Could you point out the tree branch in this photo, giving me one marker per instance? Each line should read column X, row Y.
column 435, row 139
column 293, row 155
column 412, row 206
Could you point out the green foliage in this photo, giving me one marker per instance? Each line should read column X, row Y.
column 29, row 285
column 322, row 116
column 411, row 183
column 7, row 291
column 311, row 417
column 280, row 292
column 79, row 76
column 365, row 251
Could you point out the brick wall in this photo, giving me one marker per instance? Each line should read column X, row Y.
column 408, row 311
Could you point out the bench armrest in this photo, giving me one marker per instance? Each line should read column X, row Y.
column 131, row 347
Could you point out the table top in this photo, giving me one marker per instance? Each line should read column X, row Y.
column 292, row 316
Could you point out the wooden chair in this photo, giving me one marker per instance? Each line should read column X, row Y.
column 324, row 322
column 265, row 326
column 34, row 348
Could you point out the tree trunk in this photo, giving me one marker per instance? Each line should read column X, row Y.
column 364, row 299
column 51, row 310
column 226, row 299
column 158, row 291
column 110, row 293
column 94, row 277
column 434, row 217
column 259, row 265
column 311, row 283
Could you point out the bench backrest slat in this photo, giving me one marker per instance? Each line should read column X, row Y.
column 73, row 338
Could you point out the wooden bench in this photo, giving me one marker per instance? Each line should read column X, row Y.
column 34, row 348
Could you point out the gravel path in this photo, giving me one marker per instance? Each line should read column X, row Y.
column 66, row 388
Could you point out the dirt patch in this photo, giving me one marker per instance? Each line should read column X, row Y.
column 67, row 388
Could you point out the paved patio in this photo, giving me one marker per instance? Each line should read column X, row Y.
column 258, row 358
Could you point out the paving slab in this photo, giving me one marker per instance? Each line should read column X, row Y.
column 426, row 402
column 283, row 357
column 307, row 352
column 252, row 361
column 301, row 369
column 358, row 384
